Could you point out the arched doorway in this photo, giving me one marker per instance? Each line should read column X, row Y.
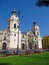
column 36, row 46
column 23, row 46
column 30, row 46
column 4, row 46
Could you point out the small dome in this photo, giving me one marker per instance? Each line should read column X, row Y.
column 35, row 25
column 13, row 12
column 13, row 15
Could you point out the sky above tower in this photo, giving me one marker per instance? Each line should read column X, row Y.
column 29, row 12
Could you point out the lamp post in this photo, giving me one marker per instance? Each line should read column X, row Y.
column 18, row 44
column 17, row 52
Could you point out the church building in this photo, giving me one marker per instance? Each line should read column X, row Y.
column 12, row 38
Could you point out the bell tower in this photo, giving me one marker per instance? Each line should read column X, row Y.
column 36, row 30
column 13, row 27
column 13, row 22
column 37, row 37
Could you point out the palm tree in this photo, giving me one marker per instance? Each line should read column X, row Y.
column 42, row 3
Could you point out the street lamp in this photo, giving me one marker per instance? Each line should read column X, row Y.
column 18, row 43
column 17, row 52
column 18, row 34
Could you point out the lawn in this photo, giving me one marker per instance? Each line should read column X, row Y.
column 33, row 59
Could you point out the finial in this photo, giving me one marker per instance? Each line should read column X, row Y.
column 13, row 12
column 14, row 9
column 35, row 22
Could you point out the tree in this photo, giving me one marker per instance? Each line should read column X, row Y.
column 42, row 3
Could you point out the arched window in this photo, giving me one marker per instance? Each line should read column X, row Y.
column 14, row 25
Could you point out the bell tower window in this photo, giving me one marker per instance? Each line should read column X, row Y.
column 14, row 25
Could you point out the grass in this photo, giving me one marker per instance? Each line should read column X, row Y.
column 34, row 59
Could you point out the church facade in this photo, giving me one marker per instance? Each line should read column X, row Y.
column 12, row 38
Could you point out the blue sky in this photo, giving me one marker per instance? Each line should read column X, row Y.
column 29, row 10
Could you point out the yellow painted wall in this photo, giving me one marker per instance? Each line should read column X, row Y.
column 45, row 42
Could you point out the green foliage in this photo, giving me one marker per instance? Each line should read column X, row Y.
column 43, row 3
column 33, row 59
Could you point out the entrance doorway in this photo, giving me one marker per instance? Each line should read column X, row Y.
column 30, row 46
column 36, row 46
column 23, row 46
column 4, row 46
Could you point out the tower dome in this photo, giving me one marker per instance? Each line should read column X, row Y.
column 13, row 12
column 36, row 29
column 35, row 25
column 13, row 21
column 13, row 15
